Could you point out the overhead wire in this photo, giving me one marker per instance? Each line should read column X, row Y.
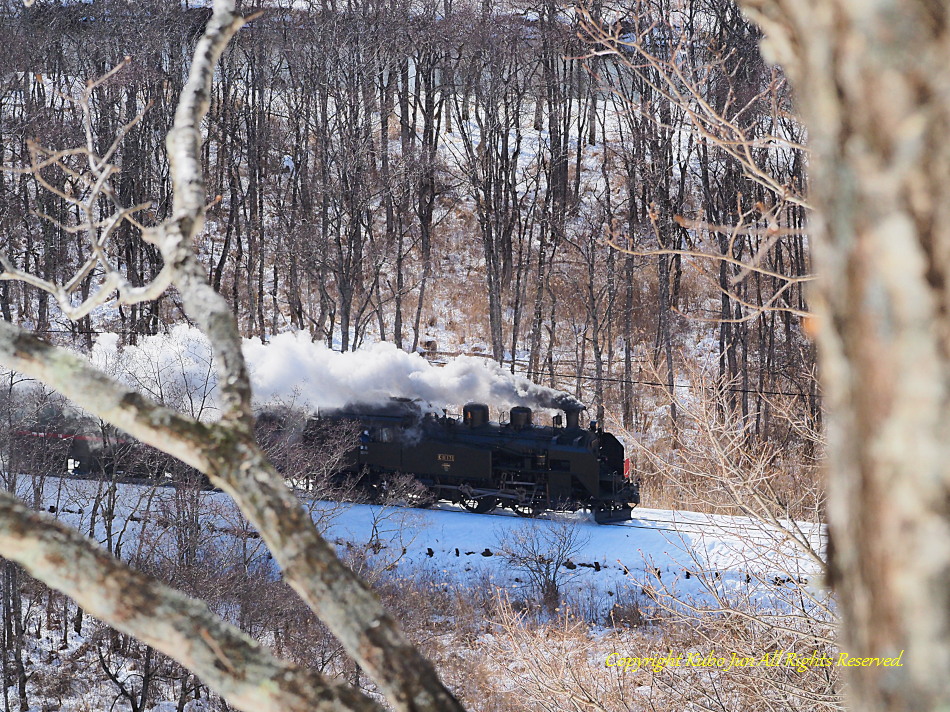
column 611, row 379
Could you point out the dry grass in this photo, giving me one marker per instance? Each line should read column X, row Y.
column 501, row 654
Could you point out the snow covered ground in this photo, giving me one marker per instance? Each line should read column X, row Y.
column 692, row 556
column 683, row 553
column 659, row 560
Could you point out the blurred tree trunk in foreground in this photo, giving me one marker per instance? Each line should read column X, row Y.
column 871, row 82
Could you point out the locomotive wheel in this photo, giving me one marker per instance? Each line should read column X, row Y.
column 479, row 505
column 525, row 509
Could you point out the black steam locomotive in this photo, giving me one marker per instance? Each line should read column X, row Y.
column 483, row 465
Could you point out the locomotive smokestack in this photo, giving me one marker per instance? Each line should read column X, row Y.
column 573, row 418
column 520, row 417
column 475, row 415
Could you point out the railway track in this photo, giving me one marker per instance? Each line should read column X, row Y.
column 757, row 532
column 753, row 531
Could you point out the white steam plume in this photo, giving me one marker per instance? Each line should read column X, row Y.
column 293, row 369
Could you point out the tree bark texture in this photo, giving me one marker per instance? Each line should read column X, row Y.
column 872, row 80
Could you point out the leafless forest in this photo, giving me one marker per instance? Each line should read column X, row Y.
column 609, row 200
column 382, row 169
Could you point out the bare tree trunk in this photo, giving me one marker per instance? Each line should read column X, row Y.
column 14, row 628
column 871, row 80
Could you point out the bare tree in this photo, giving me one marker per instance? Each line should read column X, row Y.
column 542, row 551
column 868, row 81
column 226, row 451
column 773, row 597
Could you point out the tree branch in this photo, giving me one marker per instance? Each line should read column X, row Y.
column 230, row 662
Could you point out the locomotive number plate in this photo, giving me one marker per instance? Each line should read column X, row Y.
column 446, row 458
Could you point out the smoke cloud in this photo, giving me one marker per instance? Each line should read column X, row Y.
column 293, row 370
